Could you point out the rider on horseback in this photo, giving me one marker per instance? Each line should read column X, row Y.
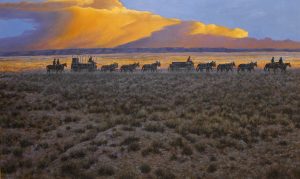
column 281, row 61
column 273, row 60
column 54, row 62
column 57, row 62
column 91, row 60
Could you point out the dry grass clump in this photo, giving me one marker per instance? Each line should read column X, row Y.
column 105, row 170
column 212, row 168
column 86, row 125
column 154, row 148
column 132, row 143
column 154, row 127
column 145, row 168
column 164, row 174
column 280, row 171
column 127, row 174
column 178, row 142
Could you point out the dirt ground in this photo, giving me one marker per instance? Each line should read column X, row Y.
column 150, row 125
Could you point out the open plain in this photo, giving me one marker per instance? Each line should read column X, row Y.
column 39, row 63
column 150, row 125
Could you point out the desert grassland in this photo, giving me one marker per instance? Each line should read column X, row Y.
column 17, row 64
column 150, row 125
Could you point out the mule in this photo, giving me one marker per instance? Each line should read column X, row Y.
column 151, row 67
column 249, row 67
column 109, row 68
column 206, row 66
column 226, row 67
column 57, row 68
column 129, row 68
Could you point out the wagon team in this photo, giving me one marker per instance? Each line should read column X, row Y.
column 177, row 66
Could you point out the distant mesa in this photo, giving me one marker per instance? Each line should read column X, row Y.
column 179, row 36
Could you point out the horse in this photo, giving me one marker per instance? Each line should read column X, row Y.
column 226, row 66
column 151, row 67
column 272, row 66
column 129, row 68
column 249, row 67
column 56, row 68
column 110, row 68
column 284, row 66
column 207, row 66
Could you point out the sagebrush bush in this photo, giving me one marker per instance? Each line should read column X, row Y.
column 164, row 174
column 145, row 168
column 154, row 127
column 105, row 170
column 189, row 122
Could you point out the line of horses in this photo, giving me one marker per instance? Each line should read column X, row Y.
column 208, row 67
column 184, row 66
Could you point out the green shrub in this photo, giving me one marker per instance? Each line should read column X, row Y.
column 106, row 170
column 200, row 147
column 134, row 147
column 154, row 148
column 127, row 174
column 178, row 142
column 77, row 154
column 187, row 150
column 25, row 143
column 145, row 168
column 18, row 152
column 164, row 174
column 70, row 168
column 129, row 140
column 212, row 168
column 154, row 127
column 9, row 167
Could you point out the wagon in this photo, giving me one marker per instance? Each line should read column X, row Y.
column 182, row 66
column 78, row 65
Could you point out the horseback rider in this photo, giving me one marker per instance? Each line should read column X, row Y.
column 57, row 62
column 281, row 61
column 54, row 62
column 273, row 60
column 91, row 60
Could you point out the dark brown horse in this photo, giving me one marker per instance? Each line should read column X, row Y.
column 249, row 67
column 206, row 66
column 110, row 68
column 129, row 68
column 275, row 66
column 226, row 67
column 151, row 67
column 56, row 68
column 284, row 66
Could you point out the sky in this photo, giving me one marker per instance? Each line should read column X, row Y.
column 277, row 19
column 58, row 24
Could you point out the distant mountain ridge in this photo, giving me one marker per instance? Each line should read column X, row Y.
column 135, row 50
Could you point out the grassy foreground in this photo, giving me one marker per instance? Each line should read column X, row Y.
column 164, row 125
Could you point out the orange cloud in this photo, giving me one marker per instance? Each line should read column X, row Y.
column 107, row 23
column 99, row 23
column 212, row 29
column 90, row 27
